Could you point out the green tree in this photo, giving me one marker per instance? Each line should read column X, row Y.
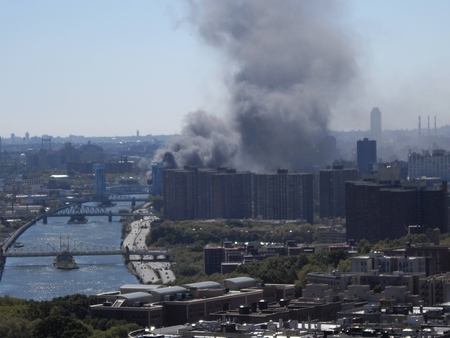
column 57, row 326
column 345, row 265
column 335, row 257
column 363, row 247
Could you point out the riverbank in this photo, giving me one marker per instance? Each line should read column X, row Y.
column 36, row 277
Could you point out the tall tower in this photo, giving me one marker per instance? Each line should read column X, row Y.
column 100, row 179
column 435, row 130
column 420, row 129
column 366, row 152
column 157, row 178
column 375, row 124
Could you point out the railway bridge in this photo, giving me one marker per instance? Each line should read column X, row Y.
column 48, row 250
column 78, row 213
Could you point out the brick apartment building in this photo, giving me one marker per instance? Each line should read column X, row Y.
column 383, row 207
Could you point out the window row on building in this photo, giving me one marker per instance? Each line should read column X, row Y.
column 435, row 164
column 193, row 193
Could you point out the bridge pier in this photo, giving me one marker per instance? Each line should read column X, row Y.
column 44, row 219
column 133, row 202
column 2, row 262
column 110, row 216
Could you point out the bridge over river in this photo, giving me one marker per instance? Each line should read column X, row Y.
column 48, row 250
column 11, row 248
column 78, row 212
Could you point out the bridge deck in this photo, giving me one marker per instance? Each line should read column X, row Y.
column 154, row 253
column 100, row 214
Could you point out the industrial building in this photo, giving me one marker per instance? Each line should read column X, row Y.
column 155, row 305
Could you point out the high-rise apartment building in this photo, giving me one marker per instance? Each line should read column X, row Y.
column 231, row 195
column 332, row 190
column 180, row 192
column 377, row 210
column 193, row 193
column 157, row 178
column 204, row 195
column 284, row 196
column 366, row 153
column 436, row 164
column 375, row 124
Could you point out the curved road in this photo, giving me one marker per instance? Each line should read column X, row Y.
column 147, row 269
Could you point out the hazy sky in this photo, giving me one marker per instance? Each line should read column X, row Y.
column 107, row 68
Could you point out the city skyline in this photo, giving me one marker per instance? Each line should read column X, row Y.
column 110, row 68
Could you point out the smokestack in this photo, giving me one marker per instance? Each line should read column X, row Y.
column 435, row 131
column 420, row 129
column 428, row 126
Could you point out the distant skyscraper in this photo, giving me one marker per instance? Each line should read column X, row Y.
column 12, row 137
column 366, row 152
column 137, row 133
column 27, row 137
column 100, row 179
column 375, row 124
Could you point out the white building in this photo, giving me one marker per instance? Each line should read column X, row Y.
column 436, row 164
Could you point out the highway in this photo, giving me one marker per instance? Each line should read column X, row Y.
column 147, row 269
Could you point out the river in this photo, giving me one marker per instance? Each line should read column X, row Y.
column 36, row 277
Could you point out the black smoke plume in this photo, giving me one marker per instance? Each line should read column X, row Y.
column 291, row 62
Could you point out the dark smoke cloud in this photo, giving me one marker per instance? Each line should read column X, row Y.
column 293, row 62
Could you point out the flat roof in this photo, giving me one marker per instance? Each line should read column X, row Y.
column 170, row 290
column 204, row 285
column 147, row 287
column 136, row 295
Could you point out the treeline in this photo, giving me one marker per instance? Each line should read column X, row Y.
column 187, row 240
column 168, row 233
column 62, row 317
